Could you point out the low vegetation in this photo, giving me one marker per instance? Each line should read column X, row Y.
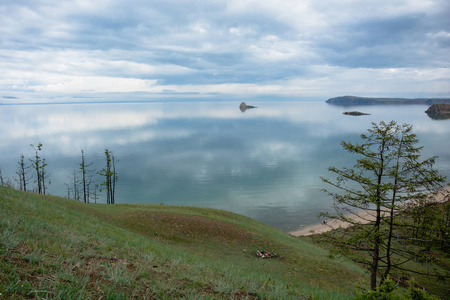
column 52, row 247
column 427, row 273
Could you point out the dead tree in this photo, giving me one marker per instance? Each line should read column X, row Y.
column 85, row 176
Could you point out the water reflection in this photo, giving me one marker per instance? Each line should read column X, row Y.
column 439, row 115
column 265, row 164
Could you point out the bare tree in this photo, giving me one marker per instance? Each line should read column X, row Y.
column 114, row 179
column 95, row 197
column 22, row 172
column 39, row 164
column 109, row 172
column 5, row 181
column 85, row 176
column 68, row 190
column 76, row 192
column 44, row 176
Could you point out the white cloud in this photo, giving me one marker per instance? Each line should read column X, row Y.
column 273, row 49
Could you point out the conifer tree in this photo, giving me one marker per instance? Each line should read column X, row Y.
column 387, row 174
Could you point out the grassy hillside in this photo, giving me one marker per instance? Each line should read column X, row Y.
column 53, row 247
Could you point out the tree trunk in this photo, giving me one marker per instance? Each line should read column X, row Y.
column 377, row 238
column 376, row 251
column 114, row 179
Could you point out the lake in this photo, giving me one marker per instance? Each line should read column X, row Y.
column 264, row 163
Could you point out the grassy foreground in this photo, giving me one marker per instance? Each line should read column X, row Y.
column 52, row 247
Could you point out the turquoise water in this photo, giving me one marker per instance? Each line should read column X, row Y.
column 264, row 163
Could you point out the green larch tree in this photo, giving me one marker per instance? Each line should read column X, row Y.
column 388, row 173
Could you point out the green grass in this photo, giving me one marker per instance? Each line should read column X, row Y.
column 55, row 248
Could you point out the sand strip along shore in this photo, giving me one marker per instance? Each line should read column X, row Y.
column 363, row 217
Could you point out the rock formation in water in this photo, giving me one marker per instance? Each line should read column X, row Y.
column 353, row 100
column 439, row 111
column 355, row 113
column 243, row 107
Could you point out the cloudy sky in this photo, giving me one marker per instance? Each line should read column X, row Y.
column 155, row 49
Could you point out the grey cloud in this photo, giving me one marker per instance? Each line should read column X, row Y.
column 217, row 42
column 406, row 41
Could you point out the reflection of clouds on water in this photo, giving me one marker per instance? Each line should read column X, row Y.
column 437, row 127
column 271, row 153
column 261, row 163
column 68, row 127
column 140, row 136
column 90, row 118
column 69, row 122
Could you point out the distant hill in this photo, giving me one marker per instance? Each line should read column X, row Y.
column 353, row 100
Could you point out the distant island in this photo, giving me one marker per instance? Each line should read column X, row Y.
column 243, row 106
column 353, row 100
column 355, row 113
column 439, row 111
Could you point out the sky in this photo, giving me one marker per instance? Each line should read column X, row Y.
column 303, row 49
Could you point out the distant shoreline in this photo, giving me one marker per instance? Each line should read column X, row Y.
column 354, row 100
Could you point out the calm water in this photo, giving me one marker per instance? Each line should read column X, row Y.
column 264, row 163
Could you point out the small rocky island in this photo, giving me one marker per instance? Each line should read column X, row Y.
column 355, row 113
column 243, row 106
column 353, row 100
column 439, row 111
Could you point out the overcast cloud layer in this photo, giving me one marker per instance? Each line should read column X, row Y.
column 297, row 49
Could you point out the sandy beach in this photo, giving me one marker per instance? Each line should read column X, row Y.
column 363, row 217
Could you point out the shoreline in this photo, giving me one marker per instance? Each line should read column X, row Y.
column 363, row 217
